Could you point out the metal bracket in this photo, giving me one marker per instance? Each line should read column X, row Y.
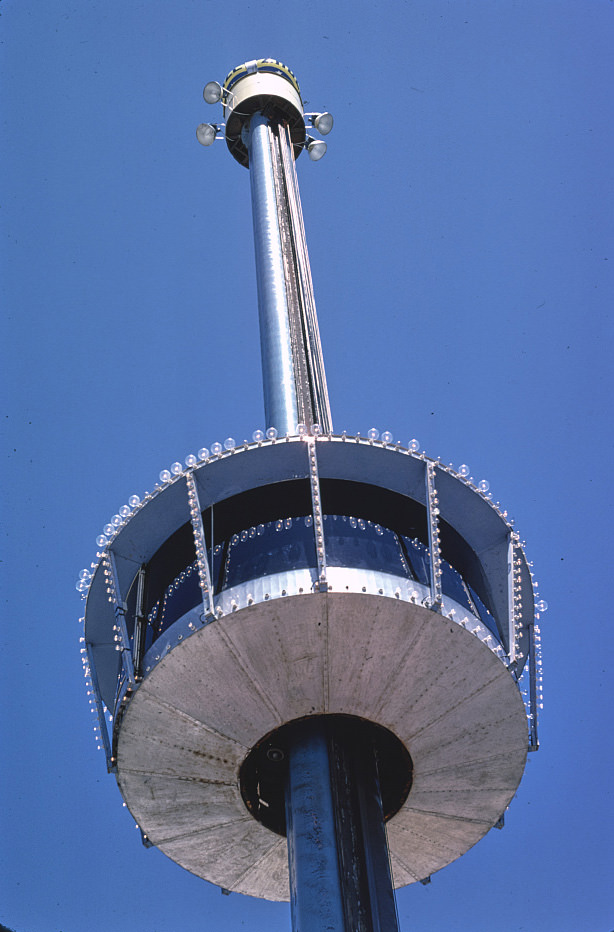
column 533, row 737
column 316, row 506
column 204, row 573
column 511, row 605
column 432, row 511
column 140, row 622
column 102, row 723
column 120, row 618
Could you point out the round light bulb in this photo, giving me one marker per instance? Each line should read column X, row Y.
column 373, row 433
column 116, row 520
column 165, row 475
column 414, row 445
column 324, row 123
column 109, row 530
column 212, row 92
column 216, row 448
column 301, row 429
column 203, row 453
column 258, row 436
column 124, row 511
column 542, row 606
column 316, row 148
column 206, row 133
column 387, row 437
column 483, row 485
column 102, row 540
column 229, row 443
column 84, row 574
column 176, row 469
column 190, row 460
column 464, row 470
column 271, row 433
column 134, row 500
column 316, row 430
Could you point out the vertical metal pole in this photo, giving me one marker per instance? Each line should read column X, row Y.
column 383, row 905
column 315, row 882
column 432, row 513
column 511, row 602
column 200, row 546
column 280, row 401
column 340, row 877
column 120, row 618
column 140, row 623
column 533, row 738
column 313, row 397
column 316, row 507
column 102, row 724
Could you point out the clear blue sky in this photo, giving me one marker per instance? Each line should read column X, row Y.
column 460, row 232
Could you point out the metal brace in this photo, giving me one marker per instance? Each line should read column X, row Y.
column 202, row 562
column 316, row 505
column 120, row 621
column 432, row 511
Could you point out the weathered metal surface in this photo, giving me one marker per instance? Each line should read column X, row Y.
column 316, row 880
column 438, row 688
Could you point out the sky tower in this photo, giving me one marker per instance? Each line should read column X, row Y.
column 310, row 645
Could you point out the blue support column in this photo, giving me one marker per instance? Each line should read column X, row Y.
column 340, row 878
column 315, row 882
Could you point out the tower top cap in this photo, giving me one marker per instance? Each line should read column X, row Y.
column 265, row 86
column 262, row 65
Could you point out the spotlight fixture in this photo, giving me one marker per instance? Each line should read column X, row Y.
column 206, row 133
column 315, row 148
column 212, row 92
column 323, row 122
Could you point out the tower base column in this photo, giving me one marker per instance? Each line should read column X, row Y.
column 340, row 878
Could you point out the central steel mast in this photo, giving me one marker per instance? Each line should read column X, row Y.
column 338, row 859
column 265, row 131
column 292, row 365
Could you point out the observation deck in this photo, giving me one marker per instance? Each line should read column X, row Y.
column 299, row 576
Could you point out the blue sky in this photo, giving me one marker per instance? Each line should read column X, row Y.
column 460, row 234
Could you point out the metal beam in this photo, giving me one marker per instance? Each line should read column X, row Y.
column 293, row 368
column 280, row 402
column 340, row 877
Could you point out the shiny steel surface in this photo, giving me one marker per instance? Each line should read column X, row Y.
column 280, row 401
column 314, row 406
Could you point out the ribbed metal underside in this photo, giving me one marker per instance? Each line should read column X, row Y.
column 439, row 689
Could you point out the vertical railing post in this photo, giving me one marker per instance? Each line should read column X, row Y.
column 432, row 511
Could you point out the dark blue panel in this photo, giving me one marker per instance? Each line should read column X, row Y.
column 362, row 544
column 275, row 547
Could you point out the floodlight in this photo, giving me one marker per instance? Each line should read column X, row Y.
column 323, row 122
column 206, row 133
column 315, row 148
column 212, row 92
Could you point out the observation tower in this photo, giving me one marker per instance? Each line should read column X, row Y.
column 314, row 656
